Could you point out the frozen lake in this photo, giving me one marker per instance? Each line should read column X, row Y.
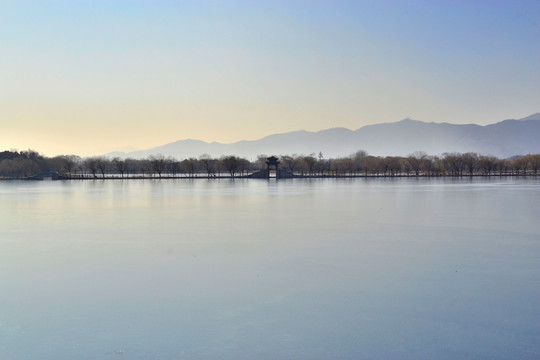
column 255, row 269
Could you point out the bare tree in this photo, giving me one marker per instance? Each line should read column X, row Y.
column 190, row 166
column 348, row 165
column 359, row 160
column 470, row 162
column 310, row 163
column 386, row 163
column 119, row 165
column 208, row 164
column 102, row 165
column 133, row 166
column 231, row 164
column 503, row 165
column 335, row 166
column 174, row 166
column 487, row 164
column 394, row 164
column 157, row 163
column 533, row 162
column 219, row 167
column 91, row 165
column 260, row 163
column 416, row 160
column 322, row 165
column 518, row 165
column 435, row 165
column 70, row 162
column 454, row 163
column 291, row 163
column 144, row 166
column 368, row 164
column 244, row 165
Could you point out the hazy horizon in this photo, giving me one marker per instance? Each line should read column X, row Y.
column 130, row 148
column 89, row 78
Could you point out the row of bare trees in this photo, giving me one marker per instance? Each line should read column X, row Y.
column 421, row 164
column 18, row 165
column 160, row 166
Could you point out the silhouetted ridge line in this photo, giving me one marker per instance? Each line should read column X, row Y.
column 503, row 139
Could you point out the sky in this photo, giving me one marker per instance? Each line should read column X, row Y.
column 89, row 77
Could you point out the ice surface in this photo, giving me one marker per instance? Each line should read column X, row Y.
column 297, row 269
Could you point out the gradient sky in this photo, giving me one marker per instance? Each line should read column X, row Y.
column 88, row 77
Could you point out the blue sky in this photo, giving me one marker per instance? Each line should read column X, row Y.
column 88, row 77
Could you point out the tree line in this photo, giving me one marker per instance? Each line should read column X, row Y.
column 23, row 164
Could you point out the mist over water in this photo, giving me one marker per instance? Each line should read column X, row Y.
column 290, row 269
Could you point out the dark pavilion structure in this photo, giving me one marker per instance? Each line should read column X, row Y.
column 272, row 170
column 272, row 164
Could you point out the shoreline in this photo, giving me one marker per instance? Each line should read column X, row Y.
column 247, row 177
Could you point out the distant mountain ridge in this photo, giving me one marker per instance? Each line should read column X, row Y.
column 503, row 139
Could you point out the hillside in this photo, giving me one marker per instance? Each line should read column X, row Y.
column 502, row 139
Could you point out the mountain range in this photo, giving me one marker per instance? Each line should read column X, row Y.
column 503, row 139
